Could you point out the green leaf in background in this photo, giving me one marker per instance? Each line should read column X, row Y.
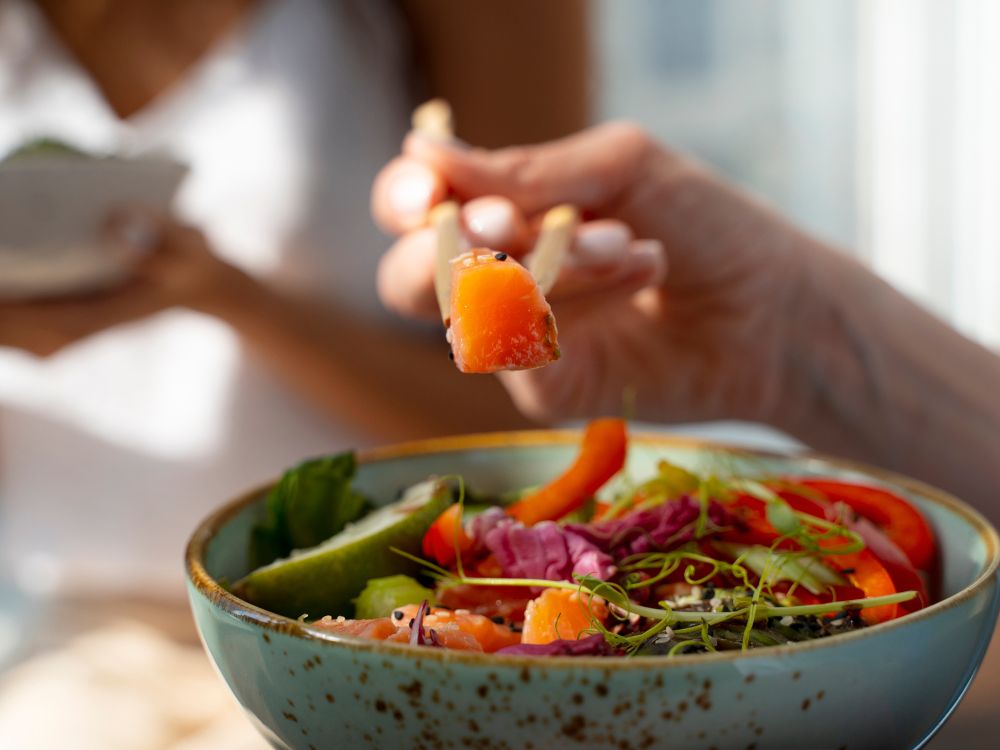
column 44, row 147
column 311, row 503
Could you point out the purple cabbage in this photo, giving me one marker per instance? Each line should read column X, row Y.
column 559, row 552
column 482, row 524
column 417, row 635
column 593, row 645
column 545, row 550
column 657, row 529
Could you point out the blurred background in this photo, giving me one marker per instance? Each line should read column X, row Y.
column 871, row 123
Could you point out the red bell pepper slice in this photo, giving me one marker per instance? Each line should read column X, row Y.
column 897, row 518
column 862, row 569
column 904, row 574
column 602, row 455
column 865, row 572
column 444, row 535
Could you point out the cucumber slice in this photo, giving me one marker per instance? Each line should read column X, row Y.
column 323, row 580
column 809, row 573
column 382, row 595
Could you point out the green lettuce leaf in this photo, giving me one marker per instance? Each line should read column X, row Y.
column 311, row 503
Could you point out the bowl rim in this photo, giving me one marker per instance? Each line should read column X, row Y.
column 250, row 614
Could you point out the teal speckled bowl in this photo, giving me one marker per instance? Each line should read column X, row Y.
column 889, row 686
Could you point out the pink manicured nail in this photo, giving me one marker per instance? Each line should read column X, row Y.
column 650, row 253
column 493, row 222
column 601, row 243
column 413, row 191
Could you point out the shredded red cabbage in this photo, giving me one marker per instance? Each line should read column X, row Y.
column 656, row 529
column 483, row 523
column 593, row 645
column 545, row 550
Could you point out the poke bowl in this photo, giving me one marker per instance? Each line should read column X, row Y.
column 887, row 684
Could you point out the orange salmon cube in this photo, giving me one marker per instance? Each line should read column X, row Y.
column 561, row 614
column 499, row 317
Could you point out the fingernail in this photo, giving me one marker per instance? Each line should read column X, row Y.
column 601, row 244
column 493, row 221
column 412, row 191
column 650, row 253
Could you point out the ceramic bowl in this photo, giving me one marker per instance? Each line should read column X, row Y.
column 888, row 686
column 53, row 209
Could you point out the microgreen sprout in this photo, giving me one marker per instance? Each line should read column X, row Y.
column 744, row 580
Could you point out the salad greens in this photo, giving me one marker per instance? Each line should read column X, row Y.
column 678, row 563
column 44, row 147
column 325, row 578
column 310, row 503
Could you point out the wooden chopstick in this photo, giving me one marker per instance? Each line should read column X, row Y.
column 444, row 217
column 553, row 245
column 434, row 118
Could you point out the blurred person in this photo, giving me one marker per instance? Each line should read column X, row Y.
column 251, row 336
column 720, row 309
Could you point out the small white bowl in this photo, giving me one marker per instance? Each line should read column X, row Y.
column 53, row 209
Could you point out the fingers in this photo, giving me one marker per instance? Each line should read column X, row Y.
column 403, row 192
column 605, row 262
column 139, row 233
column 588, row 169
column 406, row 190
column 641, row 263
column 134, row 231
column 600, row 243
column 496, row 223
column 405, row 279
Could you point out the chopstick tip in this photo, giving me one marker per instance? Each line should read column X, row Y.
column 434, row 119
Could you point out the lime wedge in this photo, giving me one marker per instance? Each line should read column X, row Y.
column 322, row 580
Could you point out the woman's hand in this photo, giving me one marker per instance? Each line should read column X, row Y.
column 177, row 269
column 697, row 316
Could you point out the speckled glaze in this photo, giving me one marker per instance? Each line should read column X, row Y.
column 890, row 686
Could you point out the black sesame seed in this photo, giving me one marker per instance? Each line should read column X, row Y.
column 847, row 571
column 497, row 619
column 501, row 256
column 397, row 614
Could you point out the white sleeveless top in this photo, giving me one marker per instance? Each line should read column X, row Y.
column 112, row 450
